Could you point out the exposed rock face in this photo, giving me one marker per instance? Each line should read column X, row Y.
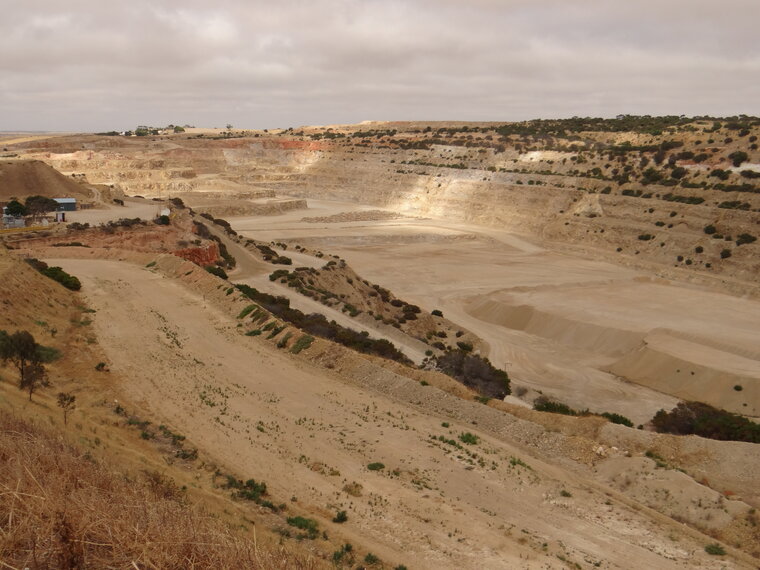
column 202, row 256
column 573, row 193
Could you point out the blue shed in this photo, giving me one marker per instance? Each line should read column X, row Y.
column 66, row 204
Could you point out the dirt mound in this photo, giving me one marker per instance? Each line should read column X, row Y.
column 694, row 371
column 20, row 178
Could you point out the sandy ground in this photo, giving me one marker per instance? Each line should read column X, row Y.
column 576, row 329
column 308, row 433
column 132, row 208
column 452, row 267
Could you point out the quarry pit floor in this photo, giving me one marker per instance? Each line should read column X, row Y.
column 590, row 333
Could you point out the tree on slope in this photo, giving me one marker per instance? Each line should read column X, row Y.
column 23, row 352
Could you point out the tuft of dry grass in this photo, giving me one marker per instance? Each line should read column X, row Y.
column 61, row 509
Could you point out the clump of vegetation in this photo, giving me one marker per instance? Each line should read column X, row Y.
column 218, row 271
column 617, row 419
column 344, row 555
column 696, row 418
column 340, row 517
column 310, row 526
column 55, row 273
column 301, row 344
column 715, row 549
column 318, row 325
column 250, row 490
column 469, row 438
column 474, row 371
column 246, row 311
column 544, row 404
column 377, row 466
column 745, row 238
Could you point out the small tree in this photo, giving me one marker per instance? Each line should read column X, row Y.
column 38, row 206
column 737, row 157
column 16, row 209
column 20, row 349
column 66, row 403
column 35, row 377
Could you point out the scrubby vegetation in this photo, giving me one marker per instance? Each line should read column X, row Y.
column 55, row 273
column 544, row 404
column 64, row 509
column 700, row 419
column 318, row 325
column 216, row 270
column 474, row 371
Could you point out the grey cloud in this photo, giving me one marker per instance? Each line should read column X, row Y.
column 89, row 65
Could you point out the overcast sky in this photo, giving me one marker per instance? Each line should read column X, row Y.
column 87, row 65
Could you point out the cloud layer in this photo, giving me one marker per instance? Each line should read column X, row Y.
column 93, row 65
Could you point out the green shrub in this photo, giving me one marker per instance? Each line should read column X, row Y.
column 469, row 438
column 282, row 343
column 737, row 157
column 715, row 549
column 700, row 419
column 474, row 371
column 245, row 312
column 544, row 404
column 377, row 466
column 218, row 271
column 340, row 517
column 310, row 526
column 617, row 419
column 745, row 238
column 371, row 559
column 302, row 343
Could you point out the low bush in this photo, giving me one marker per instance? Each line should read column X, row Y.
column 218, row 271
column 696, row 418
column 318, row 325
column 310, row 526
column 474, row 371
column 55, row 273
column 301, row 344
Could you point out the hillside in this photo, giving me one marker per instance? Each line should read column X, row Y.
column 21, row 178
column 288, row 419
column 658, row 192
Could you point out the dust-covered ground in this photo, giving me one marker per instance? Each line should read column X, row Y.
column 437, row 502
column 590, row 333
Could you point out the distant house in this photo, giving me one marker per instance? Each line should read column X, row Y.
column 66, row 204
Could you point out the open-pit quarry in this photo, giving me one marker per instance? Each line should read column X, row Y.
column 605, row 270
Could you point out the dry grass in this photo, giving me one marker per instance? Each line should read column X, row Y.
column 61, row 509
